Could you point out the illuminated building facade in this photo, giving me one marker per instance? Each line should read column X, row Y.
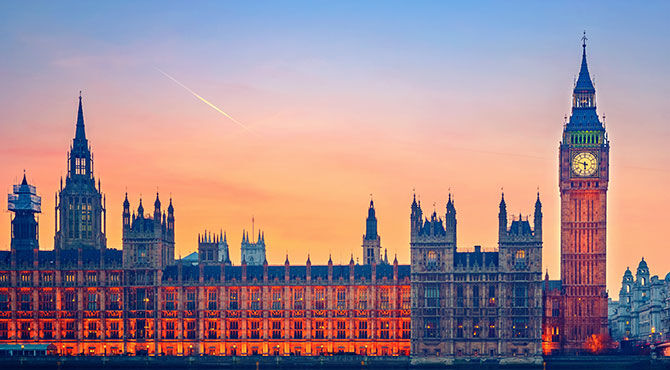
column 86, row 302
column 84, row 298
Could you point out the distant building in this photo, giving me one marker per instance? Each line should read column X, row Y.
column 642, row 313
column 25, row 204
column 213, row 249
column 253, row 253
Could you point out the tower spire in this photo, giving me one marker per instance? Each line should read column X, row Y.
column 584, row 83
column 80, row 132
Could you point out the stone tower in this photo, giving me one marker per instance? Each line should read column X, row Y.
column 25, row 203
column 371, row 241
column 148, row 242
column 253, row 253
column 213, row 249
column 583, row 180
column 81, row 215
column 520, row 262
column 432, row 248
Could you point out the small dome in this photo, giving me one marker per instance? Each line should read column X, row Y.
column 667, row 277
column 642, row 265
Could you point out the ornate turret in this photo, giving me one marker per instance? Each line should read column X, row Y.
column 253, row 252
column 157, row 209
column 626, row 293
column 371, row 240
column 537, row 220
column 147, row 240
column 502, row 216
column 450, row 220
column 170, row 219
column 126, row 213
column 86, row 226
column 416, row 217
column 24, row 203
column 140, row 210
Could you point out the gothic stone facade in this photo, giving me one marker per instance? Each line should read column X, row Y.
column 475, row 303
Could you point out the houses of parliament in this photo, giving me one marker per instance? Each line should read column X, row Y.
column 84, row 298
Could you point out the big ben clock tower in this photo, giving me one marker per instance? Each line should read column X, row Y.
column 583, row 180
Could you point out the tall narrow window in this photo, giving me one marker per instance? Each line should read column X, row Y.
column 341, row 299
column 254, row 299
column 233, row 303
column 432, row 296
column 276, row 299
column 319, row 298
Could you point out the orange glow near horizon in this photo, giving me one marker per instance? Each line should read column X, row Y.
column 308, row 191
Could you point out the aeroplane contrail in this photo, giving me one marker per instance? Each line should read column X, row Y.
column 204, row 100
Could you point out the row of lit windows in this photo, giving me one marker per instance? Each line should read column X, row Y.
column 69, row 278
column 144, row 329
column 144, row 299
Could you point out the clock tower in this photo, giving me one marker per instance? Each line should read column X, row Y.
column 583, row 180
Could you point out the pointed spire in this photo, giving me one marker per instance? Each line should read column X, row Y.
column 395, row 259
column 80, row 132
column 503, row 205
column 126, row 203
column 450, row 205
column 371, row 223
column 24, row 181
column 170, row 207
column 157, row 203
column 286, row 261
column 140, row 209
column 584, row 82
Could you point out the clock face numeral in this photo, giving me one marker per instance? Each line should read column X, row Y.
column 584, row 164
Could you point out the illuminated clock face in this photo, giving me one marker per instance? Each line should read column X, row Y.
column 585, row 164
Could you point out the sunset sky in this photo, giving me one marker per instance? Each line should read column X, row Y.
column 335, row 101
